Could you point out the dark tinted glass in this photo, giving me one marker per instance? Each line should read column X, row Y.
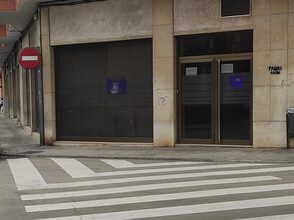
column 104, row 90
column 216, row 43
column 196, row 100
column 235, row 7
column 235, row 99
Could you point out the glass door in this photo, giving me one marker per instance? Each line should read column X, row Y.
column 196, row 100
column 215, row 101
column 234, row 100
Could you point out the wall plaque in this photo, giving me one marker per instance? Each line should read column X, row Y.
column 275, row 69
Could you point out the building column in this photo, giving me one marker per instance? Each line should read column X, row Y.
column 10, row 94
column 23, row 97
column 48, row 79
column 164, row 89
column 17, row 94
column 6, row 92
column 14, row 97
column 271, row 92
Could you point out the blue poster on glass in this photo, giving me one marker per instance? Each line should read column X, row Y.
column 115, row 87
column 236, row 82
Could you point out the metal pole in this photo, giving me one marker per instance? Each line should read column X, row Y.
column 41, row 105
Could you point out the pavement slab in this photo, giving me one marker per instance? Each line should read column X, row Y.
column 17, row 142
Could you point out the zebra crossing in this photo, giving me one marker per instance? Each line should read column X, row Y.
column 156, row 190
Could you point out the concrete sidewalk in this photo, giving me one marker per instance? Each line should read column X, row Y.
column 16, row 142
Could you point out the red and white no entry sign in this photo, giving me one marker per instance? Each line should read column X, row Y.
column 29, row 58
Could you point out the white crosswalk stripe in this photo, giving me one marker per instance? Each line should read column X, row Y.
column 78, row 170
column 274, row 217
column 190, row 209
column 25, row 174
column 127, row 164
column 153, row 198
column 154, row 190
column 144, row 188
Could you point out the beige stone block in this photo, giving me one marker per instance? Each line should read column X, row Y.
column 47, row 51
column 291, row 6
column 162, row 12
column 261, row 103
column 260, row 134
column 164, row 73
column 291, row 30
column 277, row 134
column 279, row 31
column 48, row 78
column 291, row 96
column 279, row 58
column 163, row 41
column 261, row 62
column 291, row 67
column 101, row 21
column 164, row 134
column 45, row 24
column 261, row 7
column 49, row 132
column 279, row 6
column 164, row 105
column 278, row 103
column 261, row 33
column 49, row 106
column 291, row 142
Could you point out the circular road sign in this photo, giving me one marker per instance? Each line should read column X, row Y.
column 29, row 58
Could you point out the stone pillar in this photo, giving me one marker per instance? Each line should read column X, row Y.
column 23, row 97
column 33, row 101
column 48, row 79
column 14, row 97
column 6, row 93
column 164, row 89
column 290, row 60
column 271, row 23
column 10, row 94
column 30, row 101
column 17, row 94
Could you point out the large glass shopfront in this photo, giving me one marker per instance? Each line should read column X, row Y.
column 104, row 91
column 215, row 89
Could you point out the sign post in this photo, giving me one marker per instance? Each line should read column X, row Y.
column 30, row 58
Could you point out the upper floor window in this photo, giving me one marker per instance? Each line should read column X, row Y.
column 235, row 7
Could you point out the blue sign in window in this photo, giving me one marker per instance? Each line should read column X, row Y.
column 116, row 86
column 236, row 82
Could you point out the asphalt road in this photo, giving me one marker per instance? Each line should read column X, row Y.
column 85, row 188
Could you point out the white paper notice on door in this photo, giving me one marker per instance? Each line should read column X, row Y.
column 191, row 71
column 227, row 68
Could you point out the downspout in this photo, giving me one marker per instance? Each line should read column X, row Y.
column 40, row 89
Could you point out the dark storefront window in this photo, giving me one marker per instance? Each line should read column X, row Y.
column 216, row 43
column 235, row 7
column 104, row 90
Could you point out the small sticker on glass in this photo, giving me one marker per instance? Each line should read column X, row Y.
column 228, row 68
column 191, row 71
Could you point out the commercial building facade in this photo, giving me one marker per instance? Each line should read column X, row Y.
column 158, row 72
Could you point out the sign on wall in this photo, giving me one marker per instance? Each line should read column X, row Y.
column 275, row 69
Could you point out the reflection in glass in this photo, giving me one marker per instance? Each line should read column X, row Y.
column 196, row 100
column 216, row 43
column 104, row 90
column 235, row 100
